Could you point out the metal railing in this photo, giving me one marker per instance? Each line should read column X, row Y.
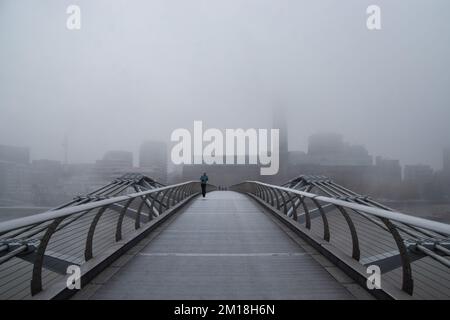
column 366, row 230
column 41, row 246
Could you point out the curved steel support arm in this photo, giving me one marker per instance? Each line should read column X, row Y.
column 283, row 199
column 356, row 254
column 36, row 280
column 120, row 219
column 326, row 228
column 161, row 201
column 169, row 195
column 266, row 194
column 306, row 211
column 90, row 236
column 293, row 207
column 272, row 196
column 407, row 279
column 137, row 220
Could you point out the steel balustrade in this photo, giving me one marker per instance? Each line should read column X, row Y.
column 76, row 229
column 413, row 253
column 408, row 233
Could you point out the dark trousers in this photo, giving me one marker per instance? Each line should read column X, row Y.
column 203, row 189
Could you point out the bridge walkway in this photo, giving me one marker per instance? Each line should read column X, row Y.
column 220, row 247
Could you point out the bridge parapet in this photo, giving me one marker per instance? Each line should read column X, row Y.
column 355, row 232
column 36, row 251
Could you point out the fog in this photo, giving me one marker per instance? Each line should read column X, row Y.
column 138, row 70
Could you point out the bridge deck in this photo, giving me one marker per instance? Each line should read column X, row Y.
column 222, row 247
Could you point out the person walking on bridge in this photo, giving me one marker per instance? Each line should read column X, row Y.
column 203, row 181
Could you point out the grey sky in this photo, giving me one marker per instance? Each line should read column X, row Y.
column 139, row 69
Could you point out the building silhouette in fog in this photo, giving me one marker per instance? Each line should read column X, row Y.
column 229, row 174
column 446, row 161
column 418, row 173
column 116, row 159
column 350, row 165
column 387, row 170
column 13, row 154
column 47, row 181
column 419, row 179
column 15, row 175
column 330, row 149
column 114, row 164
column 153, row 160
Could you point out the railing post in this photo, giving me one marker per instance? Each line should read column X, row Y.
column 254, row 189
column 284, row 202
column 268, row 195
column 306, row 210
column 120, row 219
column 407, row 279
column 181, row 193
column 152, row 207
column 272, row 202
column 186, row 191
column 189, row 189
column 36, row 280
column 161, row 202
column 326, row 228
column 355, row 243
column 260, row 191
column 275, row 191
column 169, row 194
column 263, row 194
column 175, row 196
column 293, row 207
column 90, row 236
column 137, row 221
column 155, row 199
column 257, row 190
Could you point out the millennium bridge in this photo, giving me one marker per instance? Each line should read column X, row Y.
column 309, row 238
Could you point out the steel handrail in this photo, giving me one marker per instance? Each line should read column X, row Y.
column 18, row 223
column 31, row 235
column 439, row 227
column 389, row 220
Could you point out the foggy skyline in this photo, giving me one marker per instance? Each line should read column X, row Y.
column 138, row 70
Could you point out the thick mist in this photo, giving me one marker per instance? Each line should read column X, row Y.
column 138, row 70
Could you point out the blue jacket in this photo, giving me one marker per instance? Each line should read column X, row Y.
column 204, row 179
